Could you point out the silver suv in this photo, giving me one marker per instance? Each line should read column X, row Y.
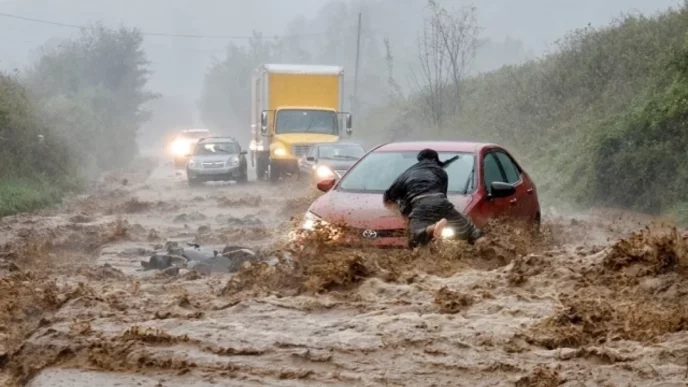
column 217, row 159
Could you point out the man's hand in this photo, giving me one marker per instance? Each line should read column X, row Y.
column 392, row 206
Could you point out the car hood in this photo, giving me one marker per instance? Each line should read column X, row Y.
column 337, row 165
column 213, row 158
column 365, row 210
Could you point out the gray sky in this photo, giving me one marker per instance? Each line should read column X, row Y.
column 179, row 64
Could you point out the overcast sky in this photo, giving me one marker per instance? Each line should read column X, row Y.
column 179, row 64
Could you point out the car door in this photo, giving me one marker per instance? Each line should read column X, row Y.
column 490, row 208
column 525, row 207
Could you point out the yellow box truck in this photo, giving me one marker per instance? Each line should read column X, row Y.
column 294, row 106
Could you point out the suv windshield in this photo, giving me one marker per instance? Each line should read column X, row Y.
column 214, row 148
column 306, row 121
column 377, row 171
column 340, row 152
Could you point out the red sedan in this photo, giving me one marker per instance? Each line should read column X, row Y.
column 484, row 183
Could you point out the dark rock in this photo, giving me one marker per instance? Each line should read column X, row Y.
column 171, row 271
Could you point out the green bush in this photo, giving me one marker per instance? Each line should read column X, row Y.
column 601, row 121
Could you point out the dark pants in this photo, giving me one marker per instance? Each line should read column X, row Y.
column 428, row 211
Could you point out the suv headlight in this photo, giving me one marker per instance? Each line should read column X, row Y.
column 324, row 172
column 192, row 163
column 235, row 160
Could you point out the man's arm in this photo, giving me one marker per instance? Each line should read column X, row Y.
column 395, row 191
column 444, row 184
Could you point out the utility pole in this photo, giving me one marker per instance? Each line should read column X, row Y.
column 358, row 54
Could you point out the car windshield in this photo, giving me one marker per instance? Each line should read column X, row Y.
column 340, row 152
column 213, row 148
column 377, row 171
column 306, row 121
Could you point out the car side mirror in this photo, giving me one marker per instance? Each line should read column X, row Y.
column 263, row 122
column 310, row 158
column 348, row 123
column 243, row 152
column 326, row 185
column 500, row 189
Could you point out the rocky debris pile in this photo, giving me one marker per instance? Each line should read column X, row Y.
column 172, row 257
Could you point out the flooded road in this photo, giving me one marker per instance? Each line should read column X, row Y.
column 587, row 303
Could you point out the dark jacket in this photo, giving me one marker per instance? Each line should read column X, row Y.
column 422, row 178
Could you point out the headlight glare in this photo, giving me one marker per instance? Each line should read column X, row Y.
column 324, row 172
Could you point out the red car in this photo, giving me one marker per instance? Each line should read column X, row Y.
column 485, row 182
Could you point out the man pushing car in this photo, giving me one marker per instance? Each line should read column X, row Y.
column 420, row 194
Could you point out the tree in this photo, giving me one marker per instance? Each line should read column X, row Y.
column 446, row 49
column 93, row 91
column 226, row 99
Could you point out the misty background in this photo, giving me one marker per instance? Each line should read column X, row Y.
column 324, row 31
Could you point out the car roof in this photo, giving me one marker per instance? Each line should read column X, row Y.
column 218, row 139
column 440, row 146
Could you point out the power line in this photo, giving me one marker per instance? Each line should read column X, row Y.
column 169, row 35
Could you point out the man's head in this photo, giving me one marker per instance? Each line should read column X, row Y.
column 429, row 155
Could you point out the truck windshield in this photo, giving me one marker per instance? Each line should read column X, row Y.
column 306, row 121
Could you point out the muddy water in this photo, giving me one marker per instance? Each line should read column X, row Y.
column 585, row 304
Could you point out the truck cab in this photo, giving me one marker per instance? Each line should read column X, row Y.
column 295, row 106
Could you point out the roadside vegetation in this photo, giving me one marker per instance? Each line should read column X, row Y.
column 603, row 120
column 70, row 116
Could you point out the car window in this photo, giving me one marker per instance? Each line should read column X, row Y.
column 377, row 170
column 491, row 171
column 512, row 173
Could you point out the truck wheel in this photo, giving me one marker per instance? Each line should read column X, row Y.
column 260, row 169
column 273, row 172
column 243, row 178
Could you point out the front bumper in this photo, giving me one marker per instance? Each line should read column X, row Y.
column 342, row 235
column 212, row 173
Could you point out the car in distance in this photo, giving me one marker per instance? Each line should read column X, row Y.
column 184, row 143
column 217, row 159
column 328, row 160
column 485, row 182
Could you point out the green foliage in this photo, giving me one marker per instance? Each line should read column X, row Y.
column 603, row 120
column 24, row 195
column 84, row 98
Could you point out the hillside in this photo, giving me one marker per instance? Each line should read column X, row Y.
column 601, row 121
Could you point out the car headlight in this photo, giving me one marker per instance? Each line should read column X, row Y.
column 448, row 232
column 310, row 220
column 180, row 148
column 235, row 160
column 192, row 163
column 324, row 172
column 279, row 152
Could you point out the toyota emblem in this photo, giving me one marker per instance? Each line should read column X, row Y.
column 369, row 234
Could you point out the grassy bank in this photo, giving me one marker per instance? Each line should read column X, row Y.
column 601, row 121
column 27, row 195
